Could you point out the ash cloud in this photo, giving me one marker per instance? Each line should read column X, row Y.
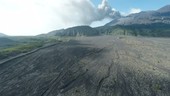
column 83, row 12
column 105, row 10
column 31, row 17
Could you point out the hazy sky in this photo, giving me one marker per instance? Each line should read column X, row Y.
column 32, row 17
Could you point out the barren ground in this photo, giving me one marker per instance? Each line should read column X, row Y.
column 91, row 66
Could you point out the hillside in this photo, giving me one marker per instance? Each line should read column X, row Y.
column 148, row 30
column 75, row 31
column 2, row 35
column 161, row 15
column 151, row 30
column 13, row 46
column 91, row 66
column 6, row 41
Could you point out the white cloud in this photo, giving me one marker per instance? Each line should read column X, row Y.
column 31, row 17
column 100, row 22
column 134, row 10
column 131, row 11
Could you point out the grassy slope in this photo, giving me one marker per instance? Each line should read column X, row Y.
column 23, row 45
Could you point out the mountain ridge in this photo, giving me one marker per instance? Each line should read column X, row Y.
column 164, row 9
column 161, row 15
column 75, row 31
column 146, row 23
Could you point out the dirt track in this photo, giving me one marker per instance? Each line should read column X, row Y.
column 91, row 66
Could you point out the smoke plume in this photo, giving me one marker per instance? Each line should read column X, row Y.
column 30, row 17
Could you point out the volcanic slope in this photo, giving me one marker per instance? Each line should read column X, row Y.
column 91, row 66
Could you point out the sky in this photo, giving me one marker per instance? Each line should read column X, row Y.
column 33, row 17
column 126, row 5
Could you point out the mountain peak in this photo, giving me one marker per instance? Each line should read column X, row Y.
column 164, row 9
column 161, row 15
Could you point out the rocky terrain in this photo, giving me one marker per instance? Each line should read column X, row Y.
column 91, row 66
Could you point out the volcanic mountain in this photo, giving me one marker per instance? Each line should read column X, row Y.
column 161, row 15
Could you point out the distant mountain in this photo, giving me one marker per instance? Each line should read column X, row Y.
column 75, row 31
column 165, row 9
column 2, row 35
column 161, row 15
column 6, row 41
column 146, row 23
column 150, row 30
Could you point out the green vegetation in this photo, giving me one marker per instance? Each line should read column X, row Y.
column 148, row 30
column 11, row 51
column 152, row 30
column 23, row 45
